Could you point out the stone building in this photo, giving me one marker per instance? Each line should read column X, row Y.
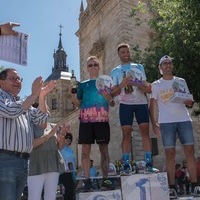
column 104, row 24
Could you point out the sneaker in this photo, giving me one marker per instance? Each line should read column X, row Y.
column 107, row 184
column 87, row 185
column 196, row 192
column 172, row 193
column 126, row 170
column 151, row 169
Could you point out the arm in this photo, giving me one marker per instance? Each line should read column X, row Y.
column 43, row 93
column 155, row 125
column 38, row 141
column 36, row 88
column 63, row 129
column 146, row 88
column 109, row 98
column 117, row 89
column 189, row 103
column 13, row 109
column 75, row 100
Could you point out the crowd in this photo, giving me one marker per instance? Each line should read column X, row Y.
column 33, row 153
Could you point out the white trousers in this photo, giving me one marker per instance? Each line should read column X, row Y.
column 36, row 183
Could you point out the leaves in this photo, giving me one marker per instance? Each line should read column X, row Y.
column 176, row 25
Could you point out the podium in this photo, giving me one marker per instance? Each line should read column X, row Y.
column 147, row 186
column 101, row 195
column 152, row 186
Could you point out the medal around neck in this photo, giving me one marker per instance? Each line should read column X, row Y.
column 104, row 83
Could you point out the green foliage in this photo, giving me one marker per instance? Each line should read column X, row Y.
column 175, row 25
column 1, row 68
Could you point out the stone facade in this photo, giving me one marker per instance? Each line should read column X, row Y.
column 102, row 26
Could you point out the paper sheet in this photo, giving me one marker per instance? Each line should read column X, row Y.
column 14, row 48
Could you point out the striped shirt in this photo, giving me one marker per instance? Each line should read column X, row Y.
column 16, row 124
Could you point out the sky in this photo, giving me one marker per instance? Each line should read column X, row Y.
column 41, row 19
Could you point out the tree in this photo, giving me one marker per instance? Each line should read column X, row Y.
column 1, row 68
column 175, row 25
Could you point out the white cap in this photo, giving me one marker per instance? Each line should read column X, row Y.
column 166, row 57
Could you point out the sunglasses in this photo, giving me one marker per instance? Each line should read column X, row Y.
column 167, row 63
column 93, row 65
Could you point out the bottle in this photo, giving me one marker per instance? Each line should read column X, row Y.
column 128, row 88
column 73, row 83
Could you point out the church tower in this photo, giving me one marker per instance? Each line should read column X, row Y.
column 59, row 100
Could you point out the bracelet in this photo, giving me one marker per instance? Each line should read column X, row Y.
column 112, row 100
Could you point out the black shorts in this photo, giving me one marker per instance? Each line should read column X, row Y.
column 91, row 132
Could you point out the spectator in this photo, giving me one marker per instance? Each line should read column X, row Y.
column 187, row 180
column 93, row 173
column 179, row 178
column 68, row 178
column 46, row 162
column 16, row 120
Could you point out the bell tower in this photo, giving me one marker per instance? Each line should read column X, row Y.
column 59, row 100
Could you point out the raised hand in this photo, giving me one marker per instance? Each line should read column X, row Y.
column 47, row 88
column 36, row 86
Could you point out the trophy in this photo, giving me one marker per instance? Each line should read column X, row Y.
column 74, row 83
column 128, row 88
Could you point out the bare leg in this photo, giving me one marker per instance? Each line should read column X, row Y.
column 146, row 141
column 105, row 159
column 191, row 162
column 85, row 159
column 126, row 144
column 170, row 154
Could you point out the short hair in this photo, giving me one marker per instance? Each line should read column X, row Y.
column 70, row 136
column 122, row 45
column 93, row 58
column 4, row 72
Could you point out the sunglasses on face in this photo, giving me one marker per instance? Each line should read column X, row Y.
column 93, row 65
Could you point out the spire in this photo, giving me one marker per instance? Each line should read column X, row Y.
column 60, row 60
column 60, row 42
column 81, row 8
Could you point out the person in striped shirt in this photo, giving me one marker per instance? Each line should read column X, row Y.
column 17, row 118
